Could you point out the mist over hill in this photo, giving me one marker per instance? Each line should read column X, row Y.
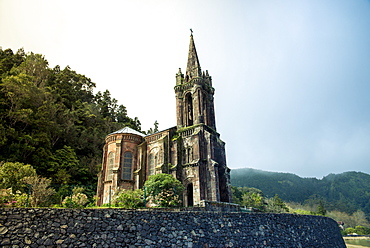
column 347, row 192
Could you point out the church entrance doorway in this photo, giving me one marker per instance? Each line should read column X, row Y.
column 189, row 190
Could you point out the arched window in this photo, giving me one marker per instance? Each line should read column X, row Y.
column 189, row 110
column 127, row 166
column 109, row 175
column 189, row 155
column 151, row 169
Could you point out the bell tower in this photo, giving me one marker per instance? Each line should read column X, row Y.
column 194, row 94
column 200, row 151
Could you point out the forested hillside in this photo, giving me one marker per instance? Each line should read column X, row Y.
column 347, row 192
column 51, row 118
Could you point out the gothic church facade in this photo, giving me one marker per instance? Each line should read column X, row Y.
column 192, row 151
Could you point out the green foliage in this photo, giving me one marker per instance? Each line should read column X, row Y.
column 153, row 130
column 10, row 199
column 276, row 205
column 77, row 200
column 130, row 199
column 346, row 192
column 77, row 190
column 358, row 218
column 11, row 175
column 237, row 195
column 164, row 190
column 167, row 198
column 5, row 197
column 252, row 197
column 41, row 192
column 254, row 200
column 288, row 186
column 350, row 230
column 359, row 230
column 75, row 196
column 52, row 119
column 239, row 192
column 321, row 209
column 64, row 165
column 301, row 211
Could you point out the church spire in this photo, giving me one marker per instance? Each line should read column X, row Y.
column 193, row 67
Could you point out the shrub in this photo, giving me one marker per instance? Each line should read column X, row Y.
column 164, row 190
column 78, row 200
column 131, row 199
column 41, row 193
column 167, row 198
column 5, row 197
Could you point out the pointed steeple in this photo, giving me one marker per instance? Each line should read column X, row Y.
column 193, row 68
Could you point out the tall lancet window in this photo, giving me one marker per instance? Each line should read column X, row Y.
column 109, row 175
column 152, row 163
column 127, row 166
column 189, row 109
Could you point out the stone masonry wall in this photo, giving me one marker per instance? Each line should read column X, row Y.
column 23, row 227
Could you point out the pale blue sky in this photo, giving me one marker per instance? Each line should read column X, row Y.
column 292, row 78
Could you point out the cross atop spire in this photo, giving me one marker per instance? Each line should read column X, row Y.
column 193, row 68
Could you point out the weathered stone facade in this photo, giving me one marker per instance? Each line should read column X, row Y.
column 192, row 151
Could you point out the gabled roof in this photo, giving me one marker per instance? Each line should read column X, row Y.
column 128, row 130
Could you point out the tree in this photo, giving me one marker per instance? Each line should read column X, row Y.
column 250, row 197
column 50, row 118
column 236, row 195
column 356, row 219
column 164, row 190
column 64, row 166
column 41, row 193
column 360, row 219
column 360, row 230
column 156, row 124
column 151, row 130
column 253, row 199
column 276, row 205
column 350, row 230
column 11, row 175
column 8, row 59
column 321, row 209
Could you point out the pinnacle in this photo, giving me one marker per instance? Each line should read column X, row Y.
column 193, row 66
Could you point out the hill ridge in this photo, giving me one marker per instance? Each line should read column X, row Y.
column 347, row 191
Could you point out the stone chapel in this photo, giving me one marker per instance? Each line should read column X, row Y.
column 192, row 151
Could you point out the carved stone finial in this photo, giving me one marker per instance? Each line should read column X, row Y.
column 191, row 30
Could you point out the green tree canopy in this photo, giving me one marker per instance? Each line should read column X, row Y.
column 345, row 192
column 11, row 175
column 52, row 119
